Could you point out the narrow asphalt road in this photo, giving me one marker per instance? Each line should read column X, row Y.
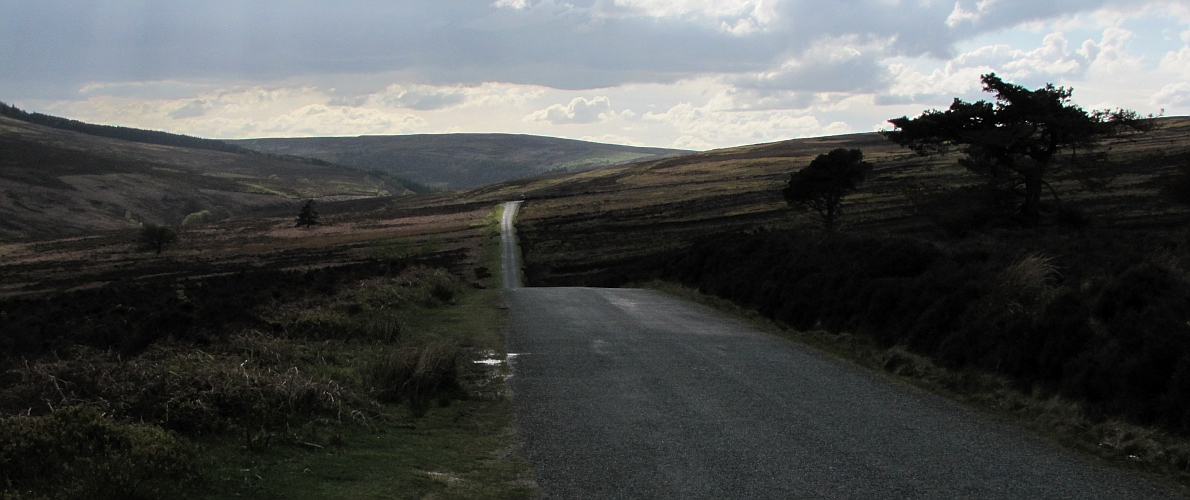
column 628, row 393
column 510, row 255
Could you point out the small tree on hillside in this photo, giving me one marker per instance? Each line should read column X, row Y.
column 155, row 237
column 1014, row 141
column 308, row 216
column 821, row 186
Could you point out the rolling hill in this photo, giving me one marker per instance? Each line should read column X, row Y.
column 588, row 227
column 456, row 161
column 56, row 182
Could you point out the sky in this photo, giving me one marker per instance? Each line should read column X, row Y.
column 690, row 74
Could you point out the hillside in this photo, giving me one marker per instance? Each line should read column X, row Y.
column 455, row 161
column 588, row 226
column 1075, row 327
column 56, row 182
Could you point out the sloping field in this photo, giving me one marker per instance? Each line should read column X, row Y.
column 574, row 228
column 57, row 183
column 456, row 161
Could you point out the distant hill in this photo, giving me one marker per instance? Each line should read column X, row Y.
column 456, row 161
column 56, row 182
column 115, row 132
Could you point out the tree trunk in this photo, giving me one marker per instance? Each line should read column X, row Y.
column 1031, row 207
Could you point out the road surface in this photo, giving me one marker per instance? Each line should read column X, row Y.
column 628, row 393
column 509, row 254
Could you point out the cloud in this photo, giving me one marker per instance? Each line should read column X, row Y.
column 1178, row 62
column 1172, row 95
column 832, row 66
column 699, row 126
column 1052, row 62
column 960, row 15
column 195, row 108
column 244, row 112
column 419, row 97
column 580, row 45
column 513, row 4
column 580, row 110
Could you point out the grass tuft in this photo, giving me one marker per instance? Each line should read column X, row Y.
column 417, row 375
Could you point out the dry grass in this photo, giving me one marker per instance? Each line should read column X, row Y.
column 417, row 375
column 1025, row 280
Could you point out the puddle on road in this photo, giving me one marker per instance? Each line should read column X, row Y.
column 490, row 359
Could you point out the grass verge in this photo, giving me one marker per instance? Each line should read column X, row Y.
column 453, row 437
column 350, row 382
column 458, row 451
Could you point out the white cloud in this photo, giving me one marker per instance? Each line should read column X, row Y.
column 1172, row 95
column 705, row 125
column 1177, row 63
column 960, row 15
column 1051, row 62
column 193, row 109
column 247, row 112
column 837, row 65
column 410, row 96
column 515, row 4
column 695, row 73
column 612, row 139
column 579, row 111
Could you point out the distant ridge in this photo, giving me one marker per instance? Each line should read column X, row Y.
column 122, row 133
column 160, row 138
column 56, row 182
column 457, row 161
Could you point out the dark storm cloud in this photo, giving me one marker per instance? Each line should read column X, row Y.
column 53, row 48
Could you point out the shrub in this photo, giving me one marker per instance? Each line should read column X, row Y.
column 77, row 453
column 183, row 389
column 1107, row 330
column 417, row 375
column 155, row 237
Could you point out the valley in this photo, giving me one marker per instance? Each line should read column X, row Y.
column 460, row 161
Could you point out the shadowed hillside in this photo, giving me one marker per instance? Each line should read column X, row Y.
column 582, row 228
column 57, row 182
column 453, row 161
column 1075, row 326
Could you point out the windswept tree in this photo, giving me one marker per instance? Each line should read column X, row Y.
column 308, row 216
column 155, row 237
column 821, row 186
column 1015, row 140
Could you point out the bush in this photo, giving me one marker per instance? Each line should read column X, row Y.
column 1109, row 326
column 417, row 375
column 77, row 453
column 153, row 237
column 184, row 389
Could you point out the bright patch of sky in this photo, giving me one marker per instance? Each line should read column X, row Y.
column 693, row 74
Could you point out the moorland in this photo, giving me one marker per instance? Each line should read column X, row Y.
column 1076, row 327
column 256, row 358
column 459, row 161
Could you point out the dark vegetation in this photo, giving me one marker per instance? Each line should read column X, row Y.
column 156, row 237
column 1090, row 317
column 122, row 133
column 1086, row 309
column 124, row 379
column 307, row 216
column 456, row 161
column 822, row 185
column 109, row 392
column 1014, row 143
